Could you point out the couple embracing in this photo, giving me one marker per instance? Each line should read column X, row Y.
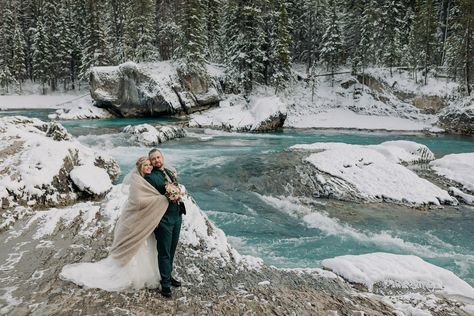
column 145, row 236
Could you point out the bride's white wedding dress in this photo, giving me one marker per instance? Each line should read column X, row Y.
column 133, row 261
column 107, row 274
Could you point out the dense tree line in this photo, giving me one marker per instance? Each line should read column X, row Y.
column 56, row 42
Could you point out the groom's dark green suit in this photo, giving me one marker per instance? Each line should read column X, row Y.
column 167, row 232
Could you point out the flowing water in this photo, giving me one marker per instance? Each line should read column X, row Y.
column 224, row 173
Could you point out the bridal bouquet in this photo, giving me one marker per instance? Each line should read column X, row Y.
column 173, row 192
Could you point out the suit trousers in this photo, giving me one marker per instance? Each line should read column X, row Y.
column 167, row 236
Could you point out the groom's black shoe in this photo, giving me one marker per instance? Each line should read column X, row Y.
column 175, row 282
column 166, row 292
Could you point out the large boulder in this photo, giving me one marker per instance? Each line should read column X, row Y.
column 151, row 89
column 37, row 163
column 459, row 117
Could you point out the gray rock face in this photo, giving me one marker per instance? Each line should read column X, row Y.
column 429, row 104
column 272, row 123
column 132, row 90
column 458, row 120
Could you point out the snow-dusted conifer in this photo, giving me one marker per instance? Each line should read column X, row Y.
column 115, row 20
column 19, row 60
column 390, row 49
column 95, row 48
column 311, row 32
column 193, row 26
column 41, row 62
column 139, row 31
column 332, row 46
column 425, row 33
column 282, row 56
column 214, row 47
column 245, row 37
column 460, row 43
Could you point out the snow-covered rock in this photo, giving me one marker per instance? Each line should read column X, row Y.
column 80, row 110
column 397, row 271
column 91, row 179
column 373, row 172
column 150, row 89
column 149, row 135
column 459, row 117
column 458, row 168
column 36, row 159
column 259, row 115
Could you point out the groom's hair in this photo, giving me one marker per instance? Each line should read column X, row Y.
column 153, row 150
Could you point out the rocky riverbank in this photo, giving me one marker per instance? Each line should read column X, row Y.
column 216, row 279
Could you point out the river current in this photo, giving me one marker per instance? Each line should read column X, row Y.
column 222, row 172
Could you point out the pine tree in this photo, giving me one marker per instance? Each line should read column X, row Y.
column 425, row 30
column 139, row 31
column 282, row 58
column 390, row 50
column 41, row 62
column 194, row 45
column 332, row 45
column 460, row 43
column 115, row 20
column 95, row 47
column 244, row 56
column 50, row 17
column 353, row 34
column 66, row 44
column 169, row 35
column 214, row 48
column 312, row 27
column 6, row 43
column 18, row 60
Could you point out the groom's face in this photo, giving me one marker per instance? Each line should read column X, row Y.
column 157, row 159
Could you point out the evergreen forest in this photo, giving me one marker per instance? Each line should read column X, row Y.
column 55, row 43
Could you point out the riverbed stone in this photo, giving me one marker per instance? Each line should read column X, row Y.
column 459, row 119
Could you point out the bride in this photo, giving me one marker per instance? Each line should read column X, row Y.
column 132, row 262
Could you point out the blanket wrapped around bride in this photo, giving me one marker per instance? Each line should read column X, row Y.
column 132, row 262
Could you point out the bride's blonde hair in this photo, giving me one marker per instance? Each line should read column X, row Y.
column 139, row 164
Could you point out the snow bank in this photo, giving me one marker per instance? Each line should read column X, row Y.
column 39, row 101
column 260, row 114
column 342, row 118
column 36, row 159
column 397, row 271
column 401, row 80
column 81, row 109
column 457, row 167
column 351, row 102
column 374, row 173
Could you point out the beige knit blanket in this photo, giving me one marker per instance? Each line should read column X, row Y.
column 140, row 216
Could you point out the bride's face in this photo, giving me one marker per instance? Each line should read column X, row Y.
column 147, row 167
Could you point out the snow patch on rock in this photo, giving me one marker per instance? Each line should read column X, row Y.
column 374, row 172
column 397, row 271
column 458, row 168
column 91, row 179
column 235, row 114
column 149, row 135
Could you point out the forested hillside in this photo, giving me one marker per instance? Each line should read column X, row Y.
column 56, row 42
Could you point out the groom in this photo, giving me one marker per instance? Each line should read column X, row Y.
column 167, row 232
